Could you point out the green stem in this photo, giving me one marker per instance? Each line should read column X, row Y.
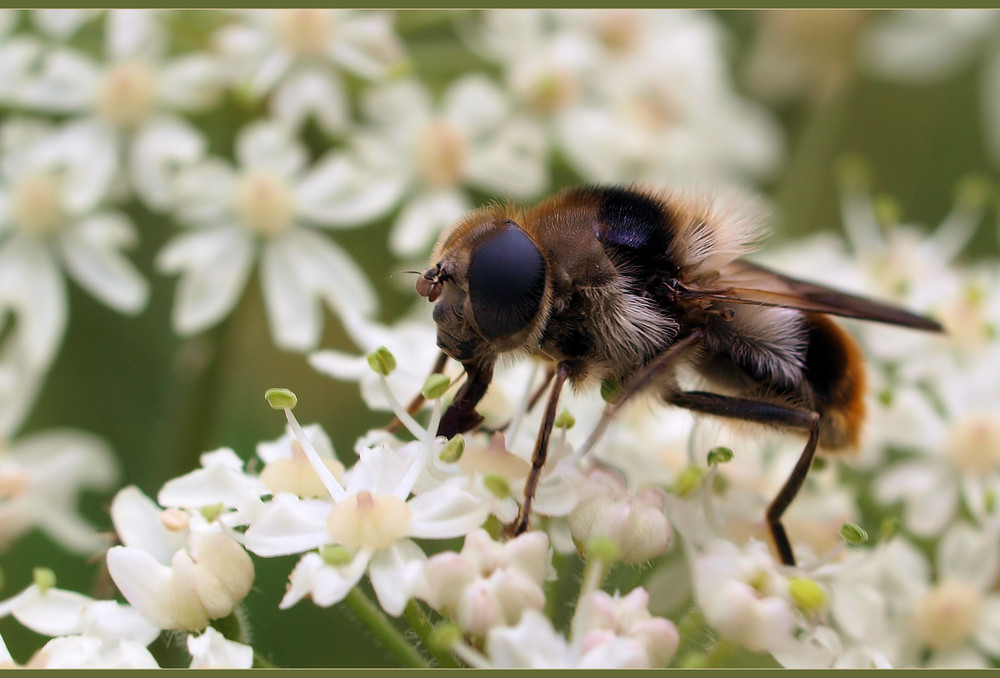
column 421, row 624
column 372, row 616
column 711, row 659
column 262, row 662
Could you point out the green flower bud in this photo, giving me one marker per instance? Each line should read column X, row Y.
column 611, row 391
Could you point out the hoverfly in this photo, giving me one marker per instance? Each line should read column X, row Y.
column 634, row 285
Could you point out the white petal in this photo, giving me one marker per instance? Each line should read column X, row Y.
column 211, row 650
column 963, row 657
column 967, row 554
column 88, row 152
column 138, row 524
column 512, row 161
column 368, row 47
column 209, row 486
column 476, row 105
column 53, row 613
column 215, row 265
column 148, row 585
column 113, row 621
column 446, row 511
column 343, row 366
column 423, row 219
column 191, row 82
column 288, row 525
column 339, row 192
column 90, row 251
column 987, row 636
column 203, row 192
column 270, row 145
column 319, row 94
column 395, row 571
column 326, row 584
column 67, row 83
column 134, row 33
column 61, row 23
column 32, row 285
column 160, row 150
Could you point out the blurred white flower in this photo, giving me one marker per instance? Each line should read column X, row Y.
column 211, row 650
column 925, row 46
column 127, row 103
column 633, row 94
column 270, row 203
column 52, row 187
column 412, row 342
column 41, row 478
column 296, row 58
column 86, row 633
column 367, row 526
column 175, row 576
column 431, row 152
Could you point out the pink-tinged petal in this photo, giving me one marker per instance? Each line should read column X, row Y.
column 215, row 265
column 396, row 574
column 288, row 525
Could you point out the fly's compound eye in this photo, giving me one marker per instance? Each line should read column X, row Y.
column 506, row 283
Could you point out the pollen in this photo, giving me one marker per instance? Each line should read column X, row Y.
column 947, row 615
column 369, row 521
column 442, row 154
column 304, row 32
column 36, row 204
column 973, row 442
column 263, row 202
column 127, row 93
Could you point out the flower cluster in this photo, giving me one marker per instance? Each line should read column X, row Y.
column 219, row 175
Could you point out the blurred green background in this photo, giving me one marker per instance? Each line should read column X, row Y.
column 160, row 401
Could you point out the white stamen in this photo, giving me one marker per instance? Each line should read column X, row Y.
column 329, row 481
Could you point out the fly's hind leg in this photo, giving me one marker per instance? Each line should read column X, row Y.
column 772, row 415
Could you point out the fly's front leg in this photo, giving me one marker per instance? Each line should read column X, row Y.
column 563, row 371
column 772, row 415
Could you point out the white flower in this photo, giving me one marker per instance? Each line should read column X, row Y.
column 177, row 578
column 637, row 524
column 220, row 485
column 287, row 467
column 533, row 643
column 295, row 56
column 268, row 204
column 489, row 584
column 52, row 185
column 211, row 650
column 743, row 595
column 432, row 151
column 128, row 103
column 633, row 94
column 411, row 342
column 367, row 526
column 86, row 633
column 626, row 617
column 41, row 478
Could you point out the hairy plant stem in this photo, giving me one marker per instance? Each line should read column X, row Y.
column 372, row 616
column 414, row 614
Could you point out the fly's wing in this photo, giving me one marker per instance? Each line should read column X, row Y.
column 743, row 282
